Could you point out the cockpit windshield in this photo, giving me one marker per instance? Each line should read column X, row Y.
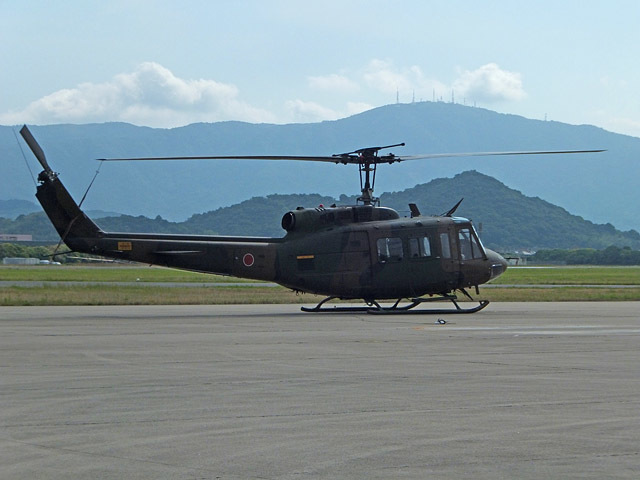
column 469, row 244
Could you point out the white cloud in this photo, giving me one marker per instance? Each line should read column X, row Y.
column 306, row 112
column 408, row 82
column 489, row 83
column 333, row 82
column 383, row 76
column 151, row 95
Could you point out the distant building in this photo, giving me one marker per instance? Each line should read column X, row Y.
column 12, row 237
column 20, row 261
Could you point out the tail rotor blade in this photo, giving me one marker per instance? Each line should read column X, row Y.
column 35, row 148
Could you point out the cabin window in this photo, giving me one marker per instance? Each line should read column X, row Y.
column 445, row 245
column 469, row 245
column 390, row 249
column 419, row 247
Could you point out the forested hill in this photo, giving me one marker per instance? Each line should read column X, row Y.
column 507, row 219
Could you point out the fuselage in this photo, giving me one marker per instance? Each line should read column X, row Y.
column 372, row 253
column 357, row 251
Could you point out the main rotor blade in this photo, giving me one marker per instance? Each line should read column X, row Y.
column 35, row 148
column 487, row 154
column 347, row 158
column 230, row 157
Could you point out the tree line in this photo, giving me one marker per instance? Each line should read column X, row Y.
column 14, row 250
column 589, row 256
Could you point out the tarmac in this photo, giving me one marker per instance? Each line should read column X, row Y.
column 518, row 390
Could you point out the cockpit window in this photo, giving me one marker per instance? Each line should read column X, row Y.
column 469, row 244
column 419, row 247
column 390, row 249
column 445, row 246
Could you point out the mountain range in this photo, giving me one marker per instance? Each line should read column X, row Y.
column 14, row 208
column 599, row 187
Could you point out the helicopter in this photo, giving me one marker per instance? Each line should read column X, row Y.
column 354, row 252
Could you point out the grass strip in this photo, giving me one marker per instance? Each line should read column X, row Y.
column 580, row 275
column 121, row 295
column 59, row 273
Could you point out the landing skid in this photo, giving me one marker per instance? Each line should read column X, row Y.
column 319, row 307
column 374, row 307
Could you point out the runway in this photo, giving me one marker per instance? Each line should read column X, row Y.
column 518, row 390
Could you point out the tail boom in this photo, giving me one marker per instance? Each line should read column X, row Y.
column 245, row 257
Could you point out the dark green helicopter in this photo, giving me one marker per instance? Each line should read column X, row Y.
column 362, row 251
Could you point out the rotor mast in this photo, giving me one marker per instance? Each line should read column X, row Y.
column 367, row 182
column 368, row 161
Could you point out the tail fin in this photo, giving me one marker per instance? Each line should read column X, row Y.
column 74, row 227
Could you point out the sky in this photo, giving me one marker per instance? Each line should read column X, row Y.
column 171, row 63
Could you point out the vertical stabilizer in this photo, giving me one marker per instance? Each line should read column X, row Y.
column 68, row 219
column 74, row 227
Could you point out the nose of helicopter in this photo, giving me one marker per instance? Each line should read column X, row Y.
column 498, row 263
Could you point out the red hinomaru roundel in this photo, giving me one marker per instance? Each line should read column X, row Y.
column 248, row 260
